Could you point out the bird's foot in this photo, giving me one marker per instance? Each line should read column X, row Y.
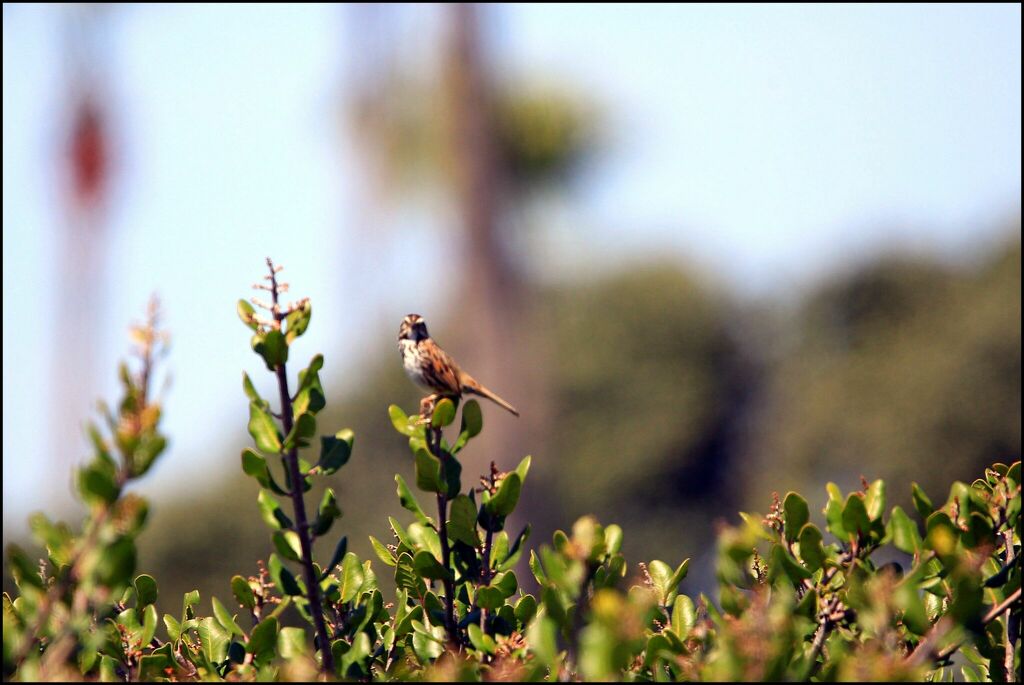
column 427, row 405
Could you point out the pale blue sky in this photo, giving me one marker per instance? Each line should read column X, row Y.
column 769, row 144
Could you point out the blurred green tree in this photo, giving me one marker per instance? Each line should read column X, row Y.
column 903, row 361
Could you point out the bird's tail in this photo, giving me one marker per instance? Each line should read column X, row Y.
column 471, row 386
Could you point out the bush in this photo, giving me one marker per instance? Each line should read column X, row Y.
column 882, row 598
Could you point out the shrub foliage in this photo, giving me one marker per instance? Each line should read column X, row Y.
column 862, row 591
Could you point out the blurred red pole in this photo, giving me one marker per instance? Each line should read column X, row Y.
column 85, row 174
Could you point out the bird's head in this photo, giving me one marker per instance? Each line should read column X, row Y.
column 413, row 328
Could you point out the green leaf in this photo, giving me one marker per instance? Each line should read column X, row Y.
column 302, row 430
column 145, row 589
column 401, row 422
column 505, row 499
column 489, row 598
column 189, row 600
column 783, row 563
column 310, row 376
column 942, row 537
column 263, row 639
column 795, row 515
column 427, row 644
column 462, row 526
column 214, row 640
column 326, row 514
column 921, row 501
column 383, row 553
column 874, row 500
column 811, row 550
column 273, row 347
column 444, row 413
column 542, row 636
column 272, row 512
column 903, row 531
column 97, row 486
column 243, row 593
column 173, row 628
column 524, row 468
column 980, row 532
column 117, row 564
column 247, row 314
column 677, row 577
column 612, row 538
column 855, row 516
column 506, row 582
column 356, row 656
column 297, row 321
column 481, row 641
column 339, row 553
column 153, row 666
column 254, row 464
column 427, row 566
column 406, row 577
column 661, row 575
column 225, row 618
column 150, row 447
column 472, row 419
column 287, row 544
column 309, row 400
column 538, row 569
column 834, row 512
column 428, row 472
column 335, row 451
column 399, row 531
column 282, row 577
column 250, row 391
column 658, row 647
column 408, row 500
column 525, row 610
column 451, row 473
column 310, row 395
column 149, row 622
column 684, row 616
column 511, row 558
column 906, row 598
column 291, row 643
column 263, row 429
column 1013, row 472
column 351, row 577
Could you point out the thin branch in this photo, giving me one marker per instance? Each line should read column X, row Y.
column 996, row 611
column 1011, row 629
column 485, row 569
column 926, row 647
column 291, row 459
column 434, row 444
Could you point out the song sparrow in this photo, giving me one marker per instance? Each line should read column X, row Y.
column 431, row 367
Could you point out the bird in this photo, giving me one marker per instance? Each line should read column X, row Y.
column 429, row 366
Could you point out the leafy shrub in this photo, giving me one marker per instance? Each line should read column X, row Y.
column 792, row 603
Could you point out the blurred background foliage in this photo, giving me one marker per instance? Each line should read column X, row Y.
column 654, row 394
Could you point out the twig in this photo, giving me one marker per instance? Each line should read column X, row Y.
column 996, row 611
column 485, row 570
column 434, row 445
column 926, row 648
column 291, row 459
column 1011, row 629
